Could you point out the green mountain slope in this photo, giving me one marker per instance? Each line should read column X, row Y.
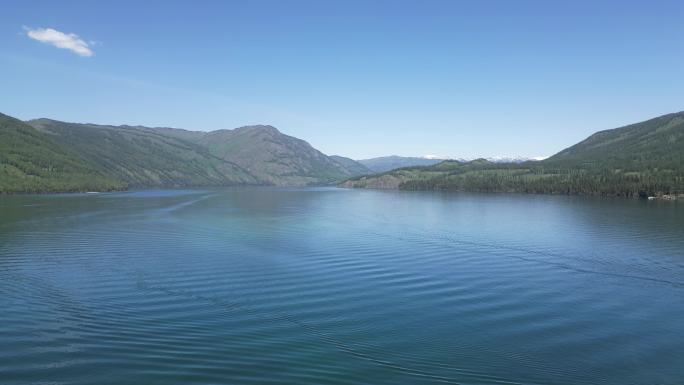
column 30, row 161
column 144, row 158
column 655, row 143
column 273, row 157
column 354, row 167
column 641, row 159
column 138, row 156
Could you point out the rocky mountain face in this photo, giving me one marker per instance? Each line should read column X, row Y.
column 275, row 158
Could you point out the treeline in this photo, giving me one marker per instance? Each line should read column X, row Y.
column 56, row 183
column 604, row 182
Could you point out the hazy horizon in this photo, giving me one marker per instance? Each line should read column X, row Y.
column 358, row 79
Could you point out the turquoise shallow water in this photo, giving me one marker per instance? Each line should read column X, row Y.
column 334, row 286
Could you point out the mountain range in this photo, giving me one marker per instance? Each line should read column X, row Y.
column 641, row 159
column 45, row 155
column 388, row 163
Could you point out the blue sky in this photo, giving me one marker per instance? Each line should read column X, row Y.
column 355, row 78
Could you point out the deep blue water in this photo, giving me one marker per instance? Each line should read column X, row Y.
column 334, row 286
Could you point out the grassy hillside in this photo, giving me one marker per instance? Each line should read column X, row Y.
column 640, row 159
column 31, row 161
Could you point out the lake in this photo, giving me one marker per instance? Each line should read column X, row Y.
column 335, row 286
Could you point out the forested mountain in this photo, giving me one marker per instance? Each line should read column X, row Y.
column 657, row 143
column 392, row 162
column 144, row 158
column 30, row 161
column 49, row 155
column 45, row 155
column 646, row 158
column 274, row 158
column 352, row 165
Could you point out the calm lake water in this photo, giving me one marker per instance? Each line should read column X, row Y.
column 334, row 286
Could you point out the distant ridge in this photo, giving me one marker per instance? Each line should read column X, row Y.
column 387, row 163
column 275, row 158
column 641, row 159
column 392, row 162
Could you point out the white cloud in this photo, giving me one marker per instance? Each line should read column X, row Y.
column 59, row 39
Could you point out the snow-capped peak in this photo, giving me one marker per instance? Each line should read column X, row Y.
column 493, row 159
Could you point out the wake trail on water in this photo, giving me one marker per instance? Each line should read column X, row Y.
column 426, row 239
column 232, row 306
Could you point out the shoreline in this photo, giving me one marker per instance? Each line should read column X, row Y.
column 656, row 197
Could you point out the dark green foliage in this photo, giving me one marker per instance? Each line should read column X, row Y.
column 30, row 161
column 637, row 160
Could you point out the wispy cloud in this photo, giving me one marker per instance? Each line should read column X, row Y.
column 69, row 41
